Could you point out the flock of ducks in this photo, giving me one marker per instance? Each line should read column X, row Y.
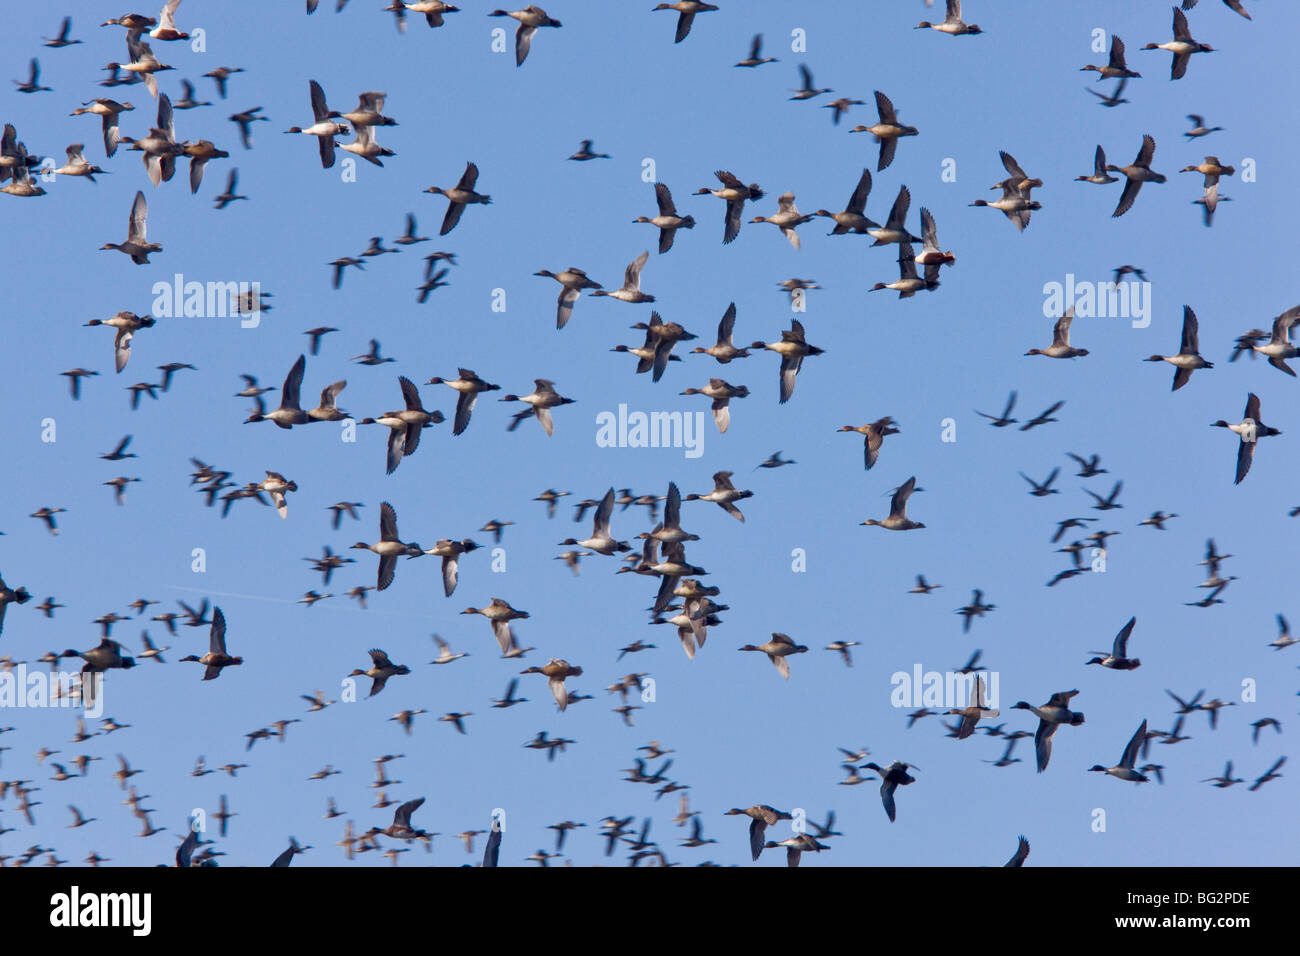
column 680, row 597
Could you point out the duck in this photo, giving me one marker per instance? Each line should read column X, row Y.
column 20, row 595
column 199, row 154
column 1182, row 46
column 724, row 495
column 601, row 541
column 541, row 400
column 931, row 256
column 585, row 154
column 432, row 10
column 499, row 613
column 143, row 63
column 898, row 519
column 33, row 82
column 775, row 460
column 380, row 670
column 62, row 39
column 166, row 28
column 923, row 587
column 670, row 531
column 976, row 711
column 556, row 671
column 841, row 106
column 367, row 146
column 686, row 11
column 1283, row 639
column 531, row 18
column 328, row 410
column 1199, row 128
column 1212, row 169
column 1013, row 205
column 1249, row 430
column 1060, row 347
column 1006, row 760
column 188, row 102
column 1157, row 520
column 891, row 778
column 661, row 336
column 668, row 220
column 1209, row 202
column 572, row 281
column 756, row 57
column 459, row 196
column 468, row 385
column 221, row 74
column 1279, row 347
column 450, row 551
column 1045, row 488
column 136, row 245
column 289, row 413
column 126, row 324
column 108, row 110
column 787, row 218
column 952, row 23
column 1052, row 715
column 389, row 547
column 1188, row 358
column 807, row 91
column 894, row 229
column 1116, row 67
column 1270, row 774
column 976, row 608
column 277, row 487
column 372, row 357
column 1124, row 769
column 630, row 291
column 368, row 111
column 887, row 130
column 1107, row 503
column 792, row 348
column 216, row 658
column 908, row 282
column 734, row 193
column 119, row 488
column 1137, row 174
column 228, row 195
column 796, row 846
column 1117, row 658
column 1099, row 174
column 853, row 218
column 722, row 393
column 761, row 816
column 324, row 129
column 724, row 351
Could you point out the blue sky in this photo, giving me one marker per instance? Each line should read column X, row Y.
column 741, row 735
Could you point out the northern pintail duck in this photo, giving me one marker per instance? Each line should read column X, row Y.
column 787, row 218
column 540, row 401
column 289, row 413
column 734, row 193
column 499, row 614
column 1043, row 489
column 1157, row 520
column 328, row 410
column 853, row 219
column 1212, row 170
column 108, row 111
column 126, row 324
column 922, row 586
column 807, row 91
column 1279, row 347
column 668, row 221
column 77, row 164
column 894, row 229
column 159, row 148
column 468, row 385
column 952, row 23
column 1209, row 202
column 1060, row 347
column 389, row 547
column 119, row 488
column 458, row 197
column 761, row 817
column 137, row 245
column 432, row 10
column 372, row 357
column 792, row 348
column 323, row 127
column 277, row 486
column 887, row 130
column 556, row 671
column 976, row 711
column 366, row 146
column 1199, row 128
column 1099, row 174
column 686, row 11
column 1107, row 503
column 1124, row 769
column 724, row 351
column 1137, row 174
column 450, row 551
column 1116, row 67
column 931, row 255
column 16, row 164
column 20, row 595
column 367, row 112
column 1014, row 205
column 1269, row 774
column 1249, row 430
column 199, row 154
column 1284, row 638
column 572, row 281
column 891, row 778
column 1182, row 46
column 47, row 515
column 775, row 460
column 630, row 291
column 379, row 672
column 216, row 658
column 62, row 39
column 661, row 336
column 33, row 82
column 1051, row 716
column 601, row 541
column 840, row 107
column 531, row 18
column 1117, row 658
column 898, row 519
column 166, row 28
column 188, row 102
column 756, row 57
column 724, row 495
column 722, row 393
column 228, row 195
column 143, row 63
column 908, row 282
column 976, row 608
column 796, row 846
column 409, row 238
column 1188, row 358
column 221, row 74
column 584, row 153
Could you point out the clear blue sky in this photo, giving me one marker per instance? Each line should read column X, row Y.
column 741, row 734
